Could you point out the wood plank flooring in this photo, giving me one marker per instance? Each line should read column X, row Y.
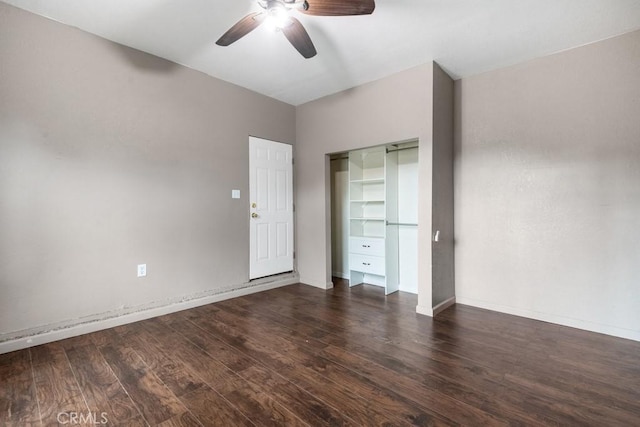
column 299, row 356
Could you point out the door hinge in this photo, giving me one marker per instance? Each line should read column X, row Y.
column 294, row 254
column 293, row 161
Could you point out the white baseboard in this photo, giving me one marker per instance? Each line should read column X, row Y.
column 316, row 283
column 340, row 275
column 433, row 311
column 615, row 331
column 425, row 311
column 71, row 328
column 443, row 305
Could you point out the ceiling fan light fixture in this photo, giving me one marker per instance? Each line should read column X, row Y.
column 277, row 18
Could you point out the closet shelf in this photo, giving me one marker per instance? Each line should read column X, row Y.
column 373, row 248
column 368, row 181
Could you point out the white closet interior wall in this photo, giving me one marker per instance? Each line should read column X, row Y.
column 408, row 214
column 340, row 217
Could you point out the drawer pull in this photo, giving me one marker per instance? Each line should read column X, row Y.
column 366, row 246
column 366, row 263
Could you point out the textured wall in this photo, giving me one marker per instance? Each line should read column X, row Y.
column 109, row 158
column 442, row 206
column 547, row 188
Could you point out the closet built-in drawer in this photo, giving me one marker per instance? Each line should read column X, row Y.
column 366, row 246
column 366, row 264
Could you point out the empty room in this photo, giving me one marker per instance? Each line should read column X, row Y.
column 320, row 212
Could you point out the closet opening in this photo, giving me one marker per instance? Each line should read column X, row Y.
column 374, row 216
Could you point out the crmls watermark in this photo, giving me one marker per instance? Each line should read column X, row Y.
column 75, row 418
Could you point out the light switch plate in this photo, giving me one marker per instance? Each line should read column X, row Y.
column 235, row 194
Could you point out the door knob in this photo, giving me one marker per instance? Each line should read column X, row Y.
column 254, row 215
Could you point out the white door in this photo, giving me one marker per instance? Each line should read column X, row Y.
column 271, row 207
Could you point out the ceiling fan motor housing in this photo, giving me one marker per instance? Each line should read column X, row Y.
column 287, row 4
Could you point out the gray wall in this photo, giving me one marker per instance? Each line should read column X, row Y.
column 393, row 109
column 109, row 158
column 442, row 207
column 547, row 188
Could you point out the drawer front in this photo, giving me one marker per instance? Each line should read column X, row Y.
column 367, row 264
column 366, row 246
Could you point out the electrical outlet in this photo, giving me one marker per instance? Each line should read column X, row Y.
column 142, row 270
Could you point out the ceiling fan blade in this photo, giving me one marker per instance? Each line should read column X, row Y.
column 340, row 7
column 241, row 28
column 299, row 38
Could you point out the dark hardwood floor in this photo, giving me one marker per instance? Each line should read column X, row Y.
column 301, row 356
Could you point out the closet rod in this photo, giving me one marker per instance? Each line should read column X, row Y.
column 401, row 149
column 340, row 158
column 402, row 223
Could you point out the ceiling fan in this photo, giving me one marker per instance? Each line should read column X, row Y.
column 278, row 14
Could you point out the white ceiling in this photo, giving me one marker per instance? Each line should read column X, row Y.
column 465, row 37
